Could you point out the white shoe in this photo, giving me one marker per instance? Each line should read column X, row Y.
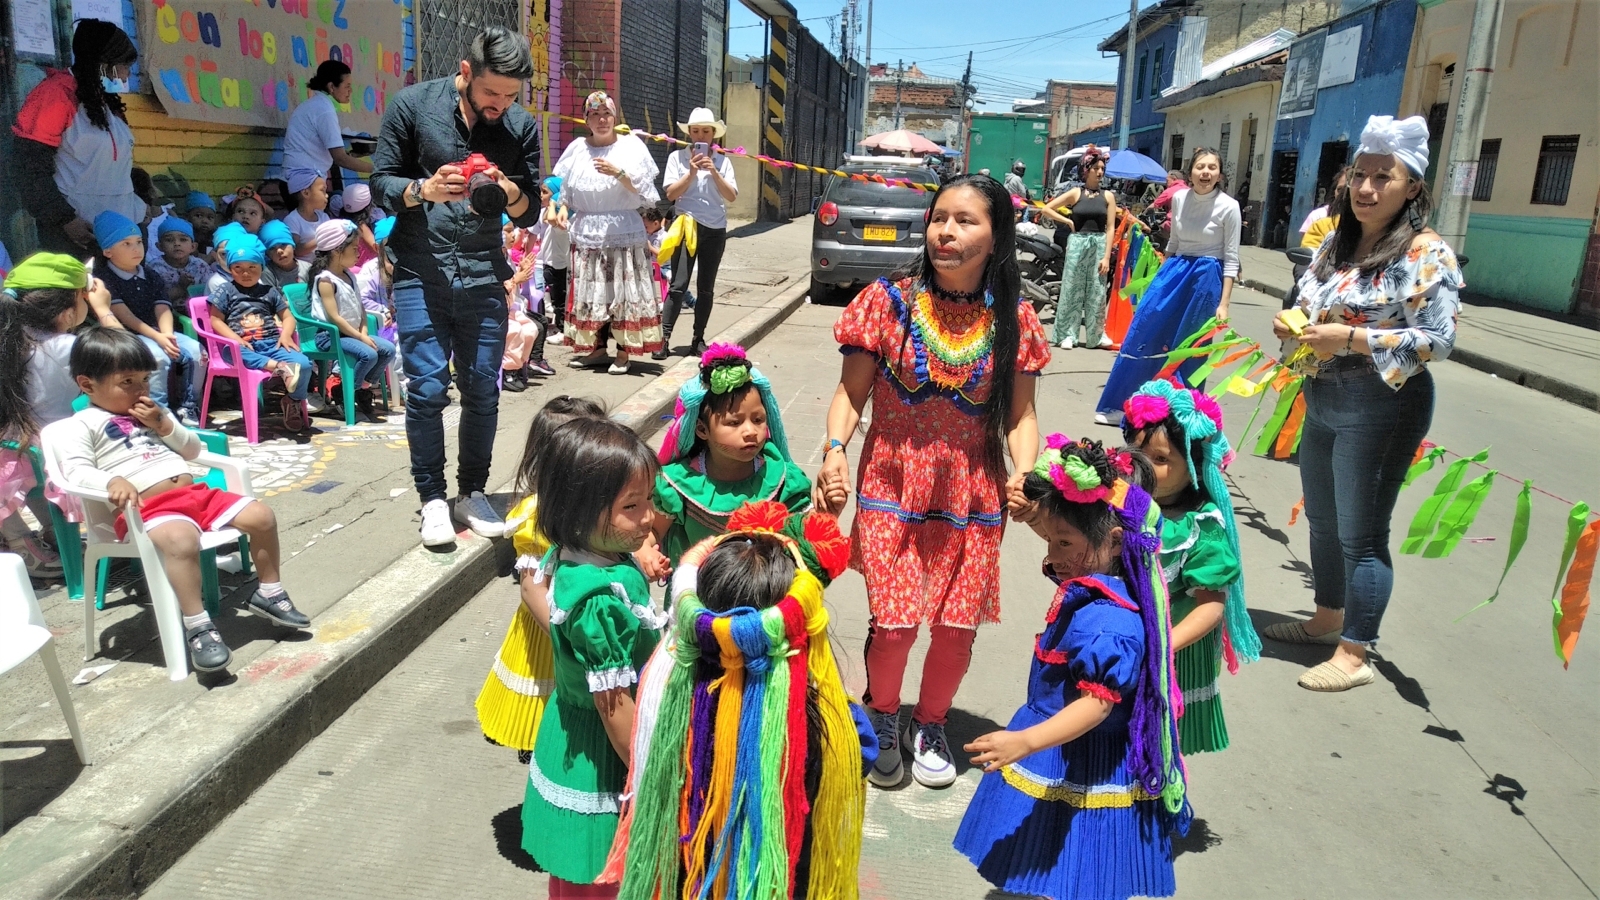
column 1108, row 419
column 1066, row 344
column 473, row 510
column 556, row 340
column 1105, row 343
column 931, row 762
column 436, row 528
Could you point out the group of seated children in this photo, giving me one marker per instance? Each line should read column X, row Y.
column 532, row 252
column 122, row 442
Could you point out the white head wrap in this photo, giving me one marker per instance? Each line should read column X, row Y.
column 1407, row 139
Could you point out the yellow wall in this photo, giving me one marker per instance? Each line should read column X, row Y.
column 213, row 158
column 1546, row 82
column 743, row 102
column 1200, row 123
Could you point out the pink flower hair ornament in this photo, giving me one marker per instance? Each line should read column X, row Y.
column 721, row 352
column 1143, row 410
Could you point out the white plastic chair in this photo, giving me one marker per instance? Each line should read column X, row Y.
column 99, row 528
column 22, row 634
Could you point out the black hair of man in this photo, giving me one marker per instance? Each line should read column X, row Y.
column 500, row 51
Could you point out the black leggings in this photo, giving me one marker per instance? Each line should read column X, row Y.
column 555, row 296
column 708, row 252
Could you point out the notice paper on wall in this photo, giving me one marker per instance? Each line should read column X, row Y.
column 33, row 29
column 104, row 10
column 1339, row 54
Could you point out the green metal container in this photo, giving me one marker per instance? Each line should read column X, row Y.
column 996, row 140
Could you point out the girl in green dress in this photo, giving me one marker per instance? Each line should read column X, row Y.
column 1180, row 431
column 593, row 484
column 725, row 448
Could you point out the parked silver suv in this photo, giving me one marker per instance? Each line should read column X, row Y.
column 864, row 230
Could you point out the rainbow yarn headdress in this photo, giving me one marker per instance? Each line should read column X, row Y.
column 731, row 369
column 719, row 806
column 1200, row 418
column 1084, row 472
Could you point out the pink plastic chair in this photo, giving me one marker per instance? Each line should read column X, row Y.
column 225, row 360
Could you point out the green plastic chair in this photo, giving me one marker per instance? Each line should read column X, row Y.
column 186, row 326
column 307, row 326
column 69, row 543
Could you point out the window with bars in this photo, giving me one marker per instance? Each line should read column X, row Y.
column 1488, row 162
column 1138, row 90
column 1227, row 138
column 1558, row 154
column 1176, row 154
column 1155, row 73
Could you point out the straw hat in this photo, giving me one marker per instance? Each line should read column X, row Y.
column 703, row 116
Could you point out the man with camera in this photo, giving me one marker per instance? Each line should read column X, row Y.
column 453, row 155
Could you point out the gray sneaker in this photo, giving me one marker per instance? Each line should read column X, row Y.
column 207, row 652
column 931, row 762
column 279, row 609
column 888, row 770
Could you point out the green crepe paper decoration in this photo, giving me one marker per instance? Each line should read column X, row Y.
column 1244, row 366
column 1203, row 329
column 1280, row 413
column 1519, row 536
column 1576, row 520
column 1458, row 517
column 1427, row 518
column 1245, row 435
column 1422, row 466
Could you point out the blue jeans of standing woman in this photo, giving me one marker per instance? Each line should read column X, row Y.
column 1359, row 439
column 365, row 359
column 437, row 324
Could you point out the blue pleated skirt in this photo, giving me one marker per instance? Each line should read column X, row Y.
column 1184, row 294
column 1067, row 823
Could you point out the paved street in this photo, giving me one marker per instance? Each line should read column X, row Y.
column 1467, row 771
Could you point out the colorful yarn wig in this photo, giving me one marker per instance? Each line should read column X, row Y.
column 1200, row 419
column 730, row 369
column 719, row 807
column 1095, row 475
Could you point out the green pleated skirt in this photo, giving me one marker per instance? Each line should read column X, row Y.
column 1202, row 728
column 569, row 813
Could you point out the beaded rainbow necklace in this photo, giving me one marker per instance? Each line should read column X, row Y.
column 957, row 338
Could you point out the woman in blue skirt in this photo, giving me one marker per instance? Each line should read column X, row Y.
column 1193, row 285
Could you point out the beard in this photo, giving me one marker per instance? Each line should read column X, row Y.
column 487, row 115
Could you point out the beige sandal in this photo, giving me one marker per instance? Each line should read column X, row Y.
column 1328, row 678
column 1295, row 633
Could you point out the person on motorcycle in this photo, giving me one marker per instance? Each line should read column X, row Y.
column 1015, row 186
column 1092, row 218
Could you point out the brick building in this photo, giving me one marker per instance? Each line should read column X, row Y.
column 911, row 99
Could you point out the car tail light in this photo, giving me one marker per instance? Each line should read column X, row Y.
column 823, row 262
column 828, row 213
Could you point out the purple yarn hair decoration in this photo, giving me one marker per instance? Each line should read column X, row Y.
column 1150, row 701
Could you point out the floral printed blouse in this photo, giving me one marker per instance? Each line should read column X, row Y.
column 1409, row 310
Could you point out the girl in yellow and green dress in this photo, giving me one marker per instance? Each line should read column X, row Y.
column 1180, row 431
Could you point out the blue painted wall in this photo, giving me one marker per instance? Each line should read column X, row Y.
column 1147, row 132
column 1342, row 111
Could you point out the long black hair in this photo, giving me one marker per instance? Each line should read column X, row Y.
column 19, row 311
column 556, row 412
column 1003, row 281
column 586, row 465
column 755, row 572
column 1410, row 221
column 96, row 45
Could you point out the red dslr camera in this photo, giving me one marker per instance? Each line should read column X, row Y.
column 485, row 195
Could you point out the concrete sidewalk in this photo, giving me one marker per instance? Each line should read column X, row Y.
column 170, row 760
column 1554, row 355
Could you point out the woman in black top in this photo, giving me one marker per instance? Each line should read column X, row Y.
column 1092, row 216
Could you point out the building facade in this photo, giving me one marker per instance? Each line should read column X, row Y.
column 1538, row 176
column 906, row 97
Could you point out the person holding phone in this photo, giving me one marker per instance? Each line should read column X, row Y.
column 699, row 181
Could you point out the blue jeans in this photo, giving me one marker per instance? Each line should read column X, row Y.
column 1359, row 439
column 258, row 353
column 366, row 359
column 188, row 365
column 435, row 325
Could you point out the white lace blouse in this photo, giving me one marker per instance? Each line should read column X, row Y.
column 604, row 213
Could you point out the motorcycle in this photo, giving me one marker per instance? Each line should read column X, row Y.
column 1040, row 261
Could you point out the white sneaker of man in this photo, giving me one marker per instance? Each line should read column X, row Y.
column 473, row 510
column 436, row 528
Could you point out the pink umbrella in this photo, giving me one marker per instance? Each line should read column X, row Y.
column 902, row 141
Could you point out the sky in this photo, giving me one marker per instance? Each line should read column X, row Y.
column 1014, row 52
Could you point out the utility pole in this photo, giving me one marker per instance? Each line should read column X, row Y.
column 961, row 124
column 866, row 99
column 1466, row 140
column 899, row 77
column 1127, row 72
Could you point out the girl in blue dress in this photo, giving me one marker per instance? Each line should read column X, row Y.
column 1082, row 791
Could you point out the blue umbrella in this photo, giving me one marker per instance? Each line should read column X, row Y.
column 1133, row 164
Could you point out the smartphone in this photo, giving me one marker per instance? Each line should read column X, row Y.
column 700, row 148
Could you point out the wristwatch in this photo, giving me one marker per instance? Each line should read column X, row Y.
column 415, row 189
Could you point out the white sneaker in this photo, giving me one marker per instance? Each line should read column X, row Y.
column 1066, row 344
column 436, row 528
column 1105, row 343
column 473, row 510
column 556, row 339
column 931, row 763
column 1108, row 418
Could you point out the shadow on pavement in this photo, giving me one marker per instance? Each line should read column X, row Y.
column 33, row 781
column 507, row 827
column 1306, row 655
column 1409, row 689
column 1199, row 839
column 962, row 727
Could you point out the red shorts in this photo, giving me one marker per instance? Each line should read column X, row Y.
column 202, row 506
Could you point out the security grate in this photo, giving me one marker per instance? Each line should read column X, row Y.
column 1558, row 155
column 1488, row 165
column 445, row 29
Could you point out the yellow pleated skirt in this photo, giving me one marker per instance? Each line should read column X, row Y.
column 514, row 695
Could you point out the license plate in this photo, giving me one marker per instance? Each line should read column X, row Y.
column 879, row 232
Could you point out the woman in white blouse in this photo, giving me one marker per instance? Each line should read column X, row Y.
column 605, row 179
column 1193, row 285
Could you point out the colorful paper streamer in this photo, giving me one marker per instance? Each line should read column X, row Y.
column 1519, row 536
column 1574, row 606
column 1427, row 518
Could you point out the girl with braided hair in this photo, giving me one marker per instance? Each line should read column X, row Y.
column 1180, row 431
column 1081, row 793
column 725, row 447
column 749, row 757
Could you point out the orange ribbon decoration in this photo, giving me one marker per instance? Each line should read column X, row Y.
column 1575, row 592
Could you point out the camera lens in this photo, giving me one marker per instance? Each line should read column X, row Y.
column 488, row 197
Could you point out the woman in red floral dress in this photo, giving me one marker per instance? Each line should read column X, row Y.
column 939, row 352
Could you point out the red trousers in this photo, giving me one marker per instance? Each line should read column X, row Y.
column 949, row 654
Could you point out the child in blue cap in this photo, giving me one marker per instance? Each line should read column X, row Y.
column 282, row 268
column 178, row 265
column 140, row 302
column 253, row 312
column 201, row 212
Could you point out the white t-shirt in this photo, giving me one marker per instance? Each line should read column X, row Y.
column 303, row 230
column 313, row 131
column 701, row 200
column 51, row 389
column 555, row 245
